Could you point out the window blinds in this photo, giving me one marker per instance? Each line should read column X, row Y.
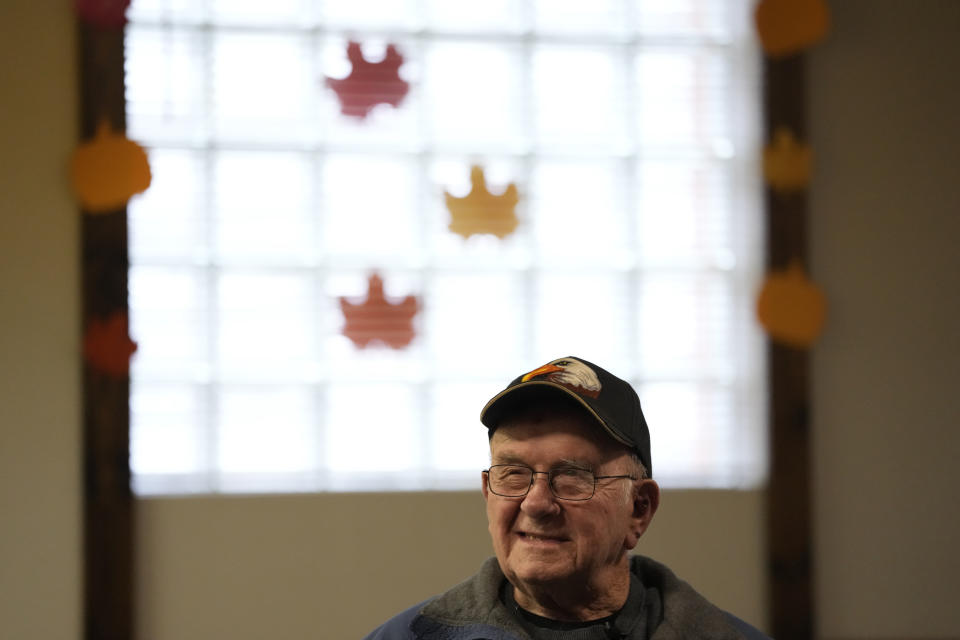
column 631, row 130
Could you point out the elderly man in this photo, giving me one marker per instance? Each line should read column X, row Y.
column 568, row 493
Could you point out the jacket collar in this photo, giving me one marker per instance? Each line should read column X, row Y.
column 472, row 609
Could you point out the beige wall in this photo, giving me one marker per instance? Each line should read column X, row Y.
column 39, row 332
column 249, row 568
column 885, row 108
column 884, row 226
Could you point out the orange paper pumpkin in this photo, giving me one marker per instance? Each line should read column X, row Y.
column 108, row 170
column 379, row 320
column 787, row 162
column 482, row 212
column 791, row 308
column 790, row 26
column 107, row 346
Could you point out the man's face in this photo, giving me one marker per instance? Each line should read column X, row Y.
column 541, row 541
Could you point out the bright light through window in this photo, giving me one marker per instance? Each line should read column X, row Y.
column 630, row 129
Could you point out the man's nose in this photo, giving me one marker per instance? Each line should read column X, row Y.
column 539, row 498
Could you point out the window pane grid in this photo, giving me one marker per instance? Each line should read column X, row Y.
column 265, row 199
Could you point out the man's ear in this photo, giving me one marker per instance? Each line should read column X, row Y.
column 646, row 501
column 483, row 485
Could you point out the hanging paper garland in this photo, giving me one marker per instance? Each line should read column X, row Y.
column 107, row 170
column 378, row 320
column 790, row 26
column 369, row 83
column 109, row 14
column 791, row 308
column 107, row 346
column 786, row 162
column 482, row 212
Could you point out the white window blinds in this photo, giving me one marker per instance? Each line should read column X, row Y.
column 630, row 129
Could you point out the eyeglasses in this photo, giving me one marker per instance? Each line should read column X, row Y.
column 566, row 483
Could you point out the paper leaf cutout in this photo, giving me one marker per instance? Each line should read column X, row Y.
column 482, row 212
column 791, row 308
column 379, row 320
column 369, row 83
column 790, row 26
column 107, row 170
column 787, row 162
column 107, row 346
column 110, row 14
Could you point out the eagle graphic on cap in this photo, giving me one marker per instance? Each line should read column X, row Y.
column 570, row 373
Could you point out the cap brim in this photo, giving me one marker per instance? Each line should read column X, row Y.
column 495, row 410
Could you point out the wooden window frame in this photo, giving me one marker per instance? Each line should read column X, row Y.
column 108, row 502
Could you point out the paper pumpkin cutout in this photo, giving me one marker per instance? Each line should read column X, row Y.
column 790, row 26
column 379, row 320
column 108, row 170
column 482, row 212
column 369, row 83
column 107, row 346
column 791, row 308
column 786, row 162
column 110, row 14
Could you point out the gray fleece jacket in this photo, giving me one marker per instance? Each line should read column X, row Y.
column 472, row 610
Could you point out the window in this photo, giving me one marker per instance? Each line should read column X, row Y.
column 630, row 128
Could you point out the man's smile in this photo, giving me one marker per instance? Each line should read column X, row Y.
column 541, row 538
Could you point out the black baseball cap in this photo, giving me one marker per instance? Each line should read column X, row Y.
column 610, row 400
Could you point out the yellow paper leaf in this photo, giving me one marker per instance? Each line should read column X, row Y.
column 482, row 212
column 787, row 162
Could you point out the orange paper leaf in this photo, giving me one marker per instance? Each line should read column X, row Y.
column 791, row 308
column 379, row 320
column 790, row 26
column 787, row 162
column 108, row 170
column 107, row 346
column 482, row 212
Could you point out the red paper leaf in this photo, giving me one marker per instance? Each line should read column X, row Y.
column 107, row 346
column 110, row 14
column 377, row 319
column 369, row 83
